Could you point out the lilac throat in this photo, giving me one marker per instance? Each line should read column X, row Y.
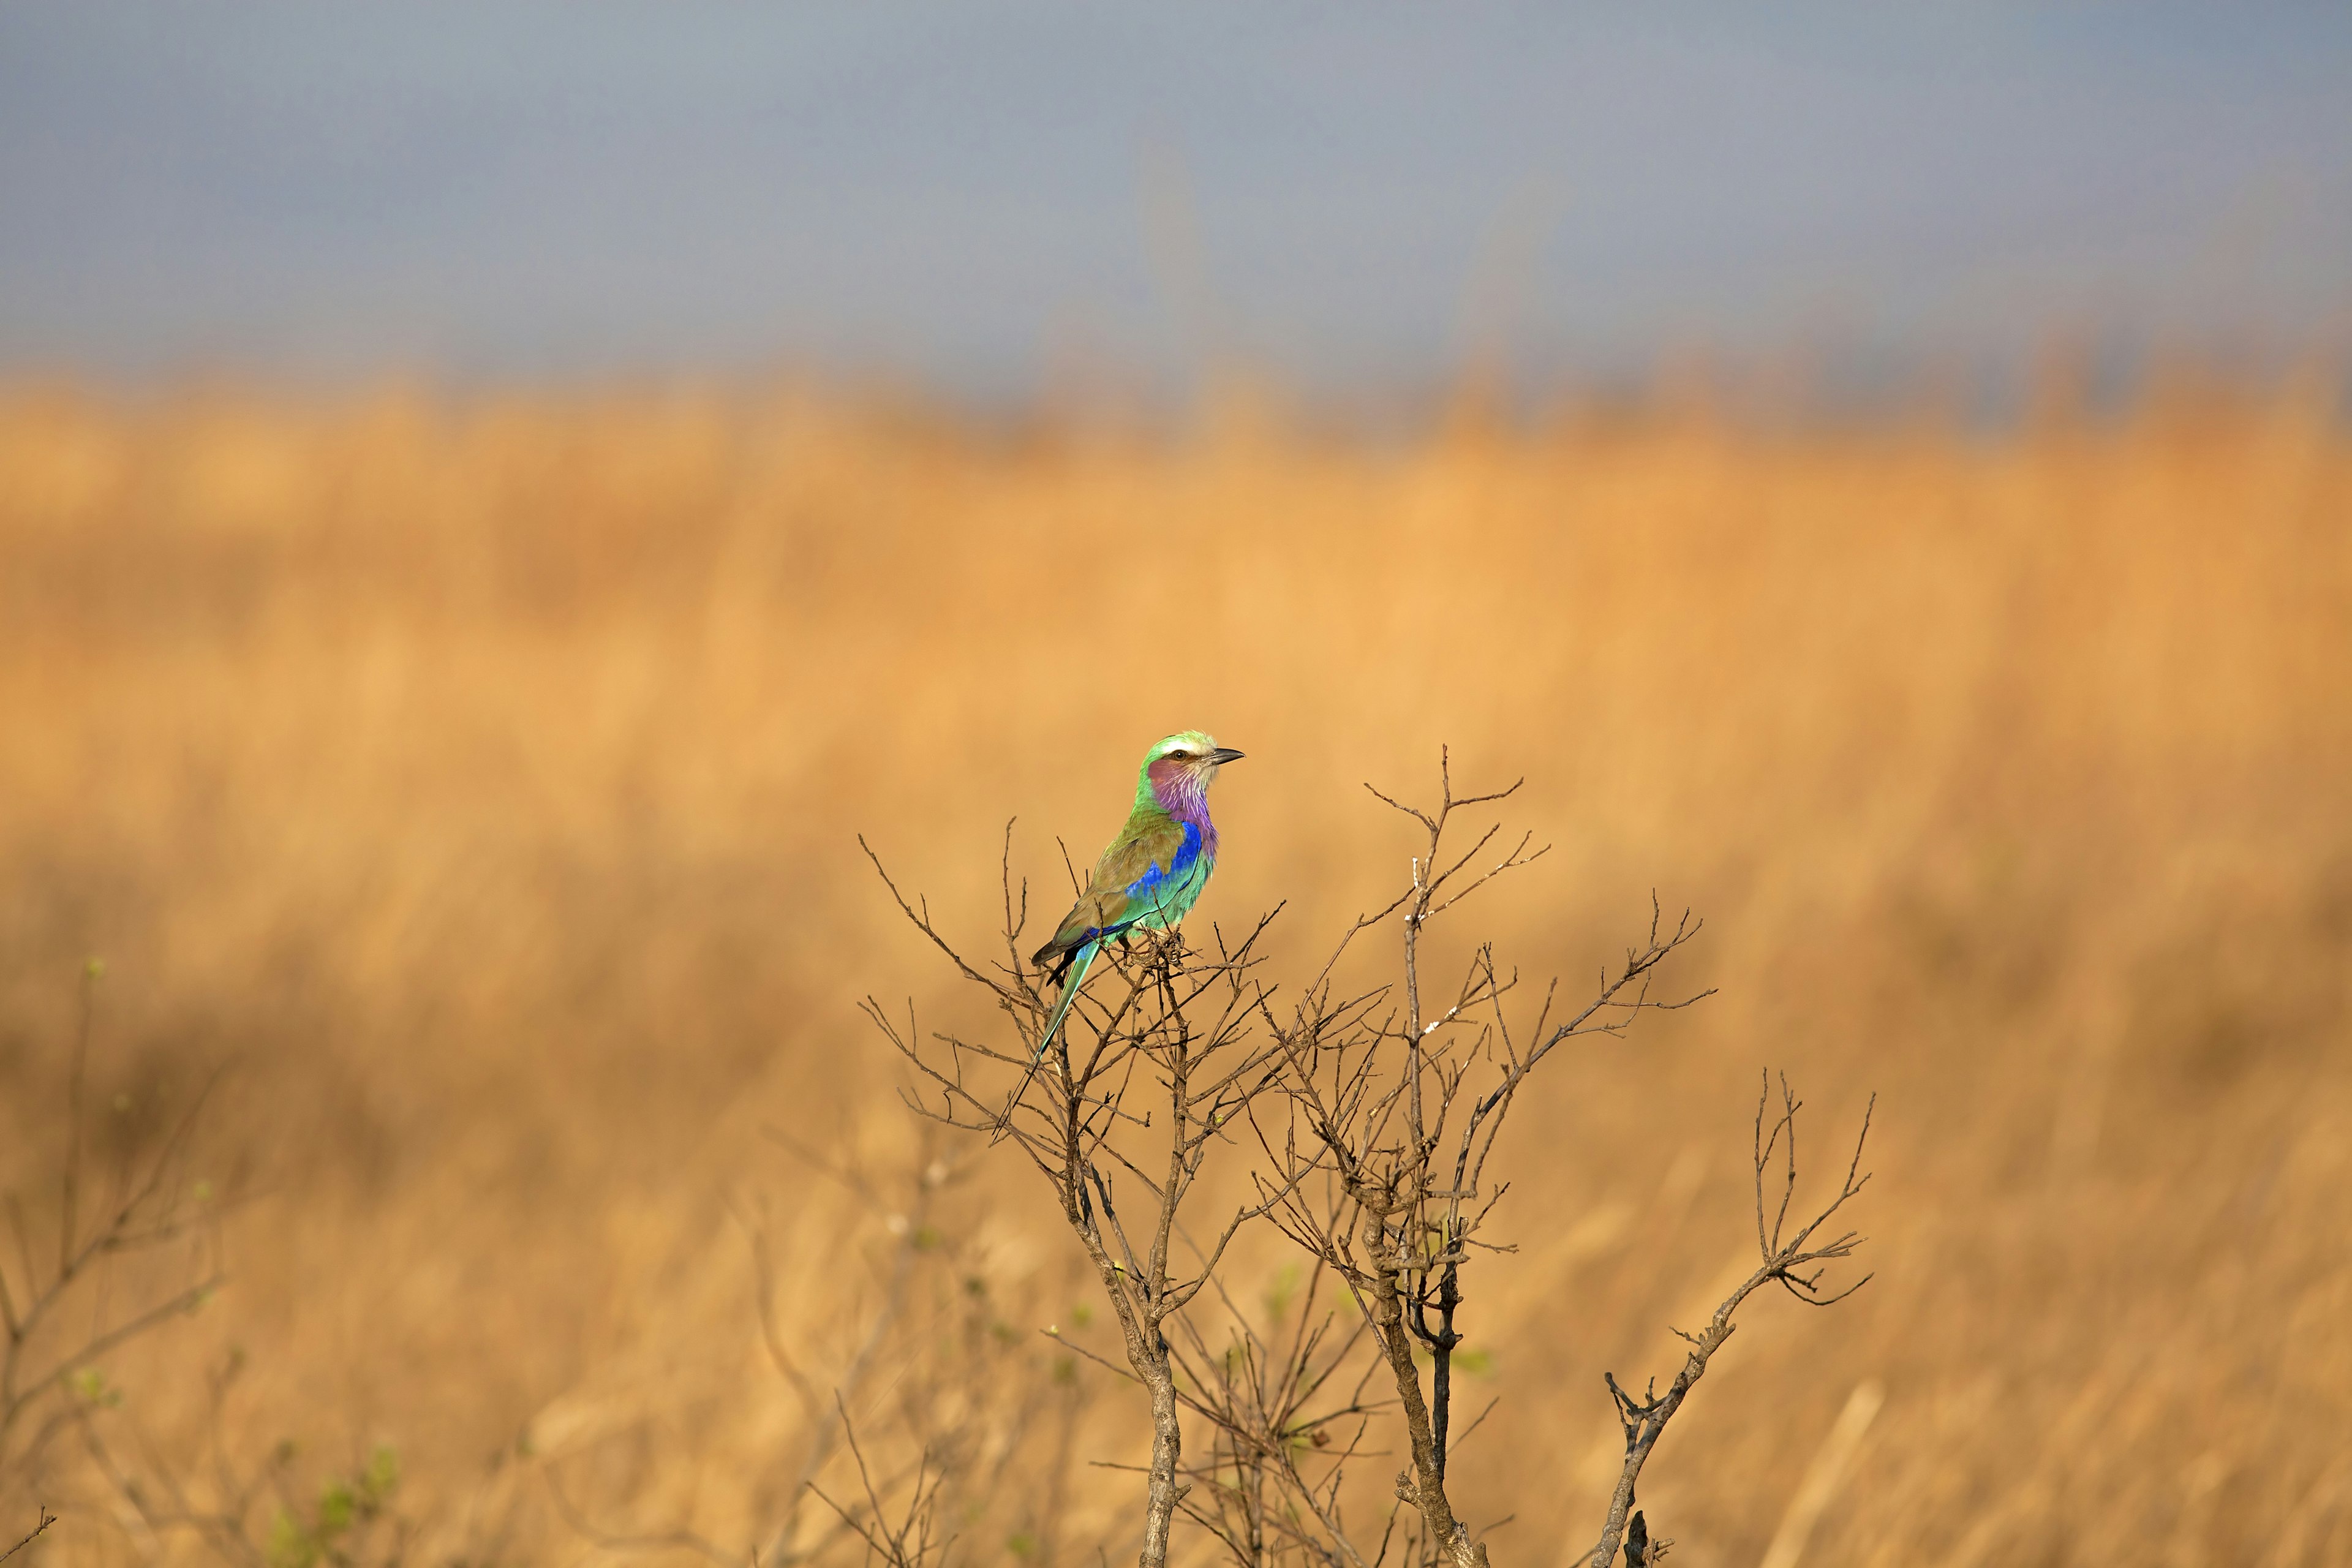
column 1182, row 796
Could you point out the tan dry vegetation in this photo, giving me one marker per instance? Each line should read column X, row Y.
column 480, row 783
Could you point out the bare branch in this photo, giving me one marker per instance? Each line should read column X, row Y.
column 1780, row 1260
column 47, row 1519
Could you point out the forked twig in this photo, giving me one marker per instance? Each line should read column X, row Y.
column 47, row 1519
column 1782, row 1258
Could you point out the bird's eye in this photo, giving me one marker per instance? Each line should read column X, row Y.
column 1179, row 756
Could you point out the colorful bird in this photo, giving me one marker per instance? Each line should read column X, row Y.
column 1153, row 872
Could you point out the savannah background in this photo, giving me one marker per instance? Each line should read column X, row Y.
column 451, row 725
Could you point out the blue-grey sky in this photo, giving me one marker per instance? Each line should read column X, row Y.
column 979, row 197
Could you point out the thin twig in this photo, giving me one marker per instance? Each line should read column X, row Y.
column 47, row 1519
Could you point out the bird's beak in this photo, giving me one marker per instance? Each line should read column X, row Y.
column 1224, row 754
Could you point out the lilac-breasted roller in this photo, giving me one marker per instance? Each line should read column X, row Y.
column 1152, row 871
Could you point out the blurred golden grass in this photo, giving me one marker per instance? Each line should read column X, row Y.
column 480, row 781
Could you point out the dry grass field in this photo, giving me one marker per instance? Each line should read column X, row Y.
column 474, row 786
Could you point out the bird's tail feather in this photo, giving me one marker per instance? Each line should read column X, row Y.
column 1078, row 968
column 1077, row 971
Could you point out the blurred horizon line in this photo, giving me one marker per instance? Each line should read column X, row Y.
column 2065, row 374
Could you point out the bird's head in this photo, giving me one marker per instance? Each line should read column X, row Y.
column 1183, row 765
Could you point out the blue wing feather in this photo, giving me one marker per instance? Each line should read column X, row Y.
column 1151, row 890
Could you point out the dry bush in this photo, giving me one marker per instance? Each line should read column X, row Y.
column 1374, row 1119
column 481, row 780
column 124, row 1251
